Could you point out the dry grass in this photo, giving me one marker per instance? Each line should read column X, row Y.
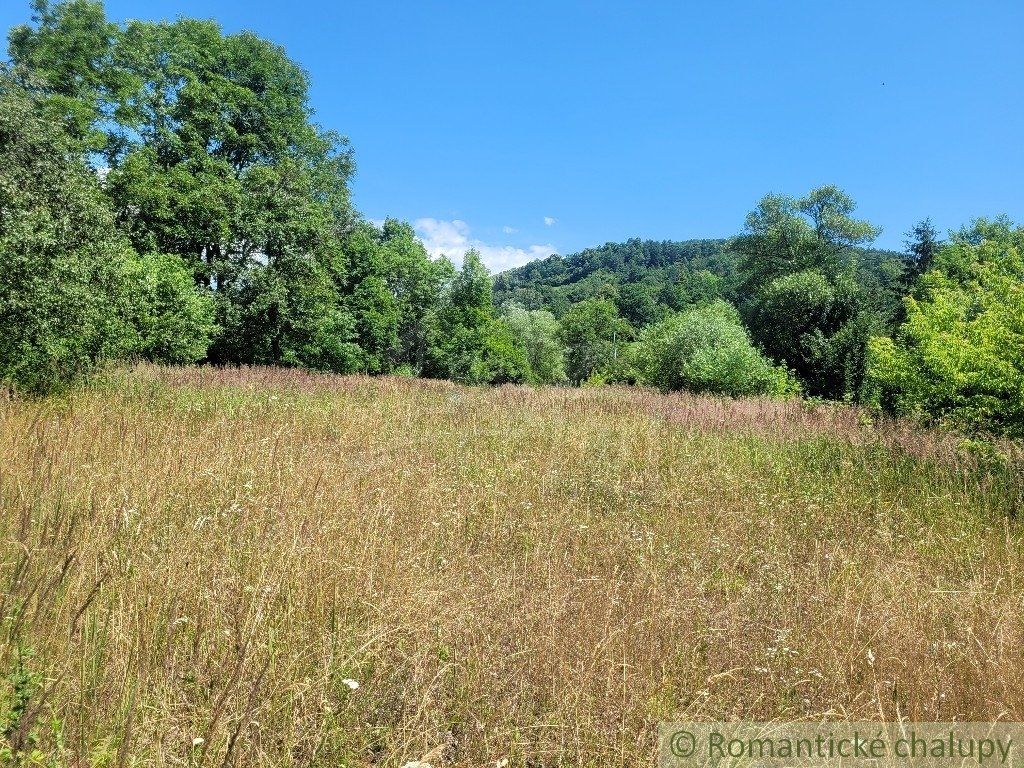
column 200, row 560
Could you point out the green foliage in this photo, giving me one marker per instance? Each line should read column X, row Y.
column 23, row 684
column 66, row 58
column 537, row 332
column 394, row 289
column 488, row 354
column 467, row 343
column 700, row 286
column 959, row 357
column 923, row 245
column 504, row 356
column 213, row 158
column 213, row 167
column 645, row 277
column 817, row 327
column 784, row 235
column 638, row 303
column 176, row 317
column 376, row 316
column 706, row 349
column 594, row 335
column 26, row 737
column 67, row 276
column 807, row 296
column 287, row 312
column 832, row 292
column 789, row 308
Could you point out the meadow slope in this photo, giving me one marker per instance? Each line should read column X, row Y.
column 266, row 567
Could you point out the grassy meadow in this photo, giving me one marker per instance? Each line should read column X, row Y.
column 260, row 567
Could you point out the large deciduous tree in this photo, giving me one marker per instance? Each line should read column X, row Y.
column 65, row 57
column 211, row 155
column 799, row 292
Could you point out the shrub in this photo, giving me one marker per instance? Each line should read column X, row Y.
column 176, row 321
column 959, row 357
column 537, row 331
column 706, row 349
column 593, row 334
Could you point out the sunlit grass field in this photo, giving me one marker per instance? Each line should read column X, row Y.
column 276, row 568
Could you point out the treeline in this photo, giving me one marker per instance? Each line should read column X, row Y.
column 800, row 302
column 165, row 194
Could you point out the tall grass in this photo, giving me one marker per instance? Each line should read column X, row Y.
column 267, row 567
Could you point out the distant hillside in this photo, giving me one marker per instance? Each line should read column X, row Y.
column 646, row 278
column 660, row 270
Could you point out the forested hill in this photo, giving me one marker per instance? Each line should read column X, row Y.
column 645, row 275
column 556, row 282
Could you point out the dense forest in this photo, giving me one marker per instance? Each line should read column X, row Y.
column 166, row 195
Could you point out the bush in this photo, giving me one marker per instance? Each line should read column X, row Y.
column 537, row 331
column 593, row 334
column 504, row 356
column 176, row 322
column 285, row 313
column 959, row 357
column 706, row 349
column 490, row 354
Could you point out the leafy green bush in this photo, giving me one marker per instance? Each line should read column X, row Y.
column 594, row 335
column 537, row 332
column 959, row 357
column 176, row 321
column 809, row 296
column 467, row 343
column 503, row 357
column 285, row 313
column 706, row 349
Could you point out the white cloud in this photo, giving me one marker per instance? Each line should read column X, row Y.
column 549, row 221
column 509, row 230
column 453, row 238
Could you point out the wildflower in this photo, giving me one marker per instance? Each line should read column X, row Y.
column 197, row 741
column 352, row 684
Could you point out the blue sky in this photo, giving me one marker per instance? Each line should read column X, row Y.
column 530, row 127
